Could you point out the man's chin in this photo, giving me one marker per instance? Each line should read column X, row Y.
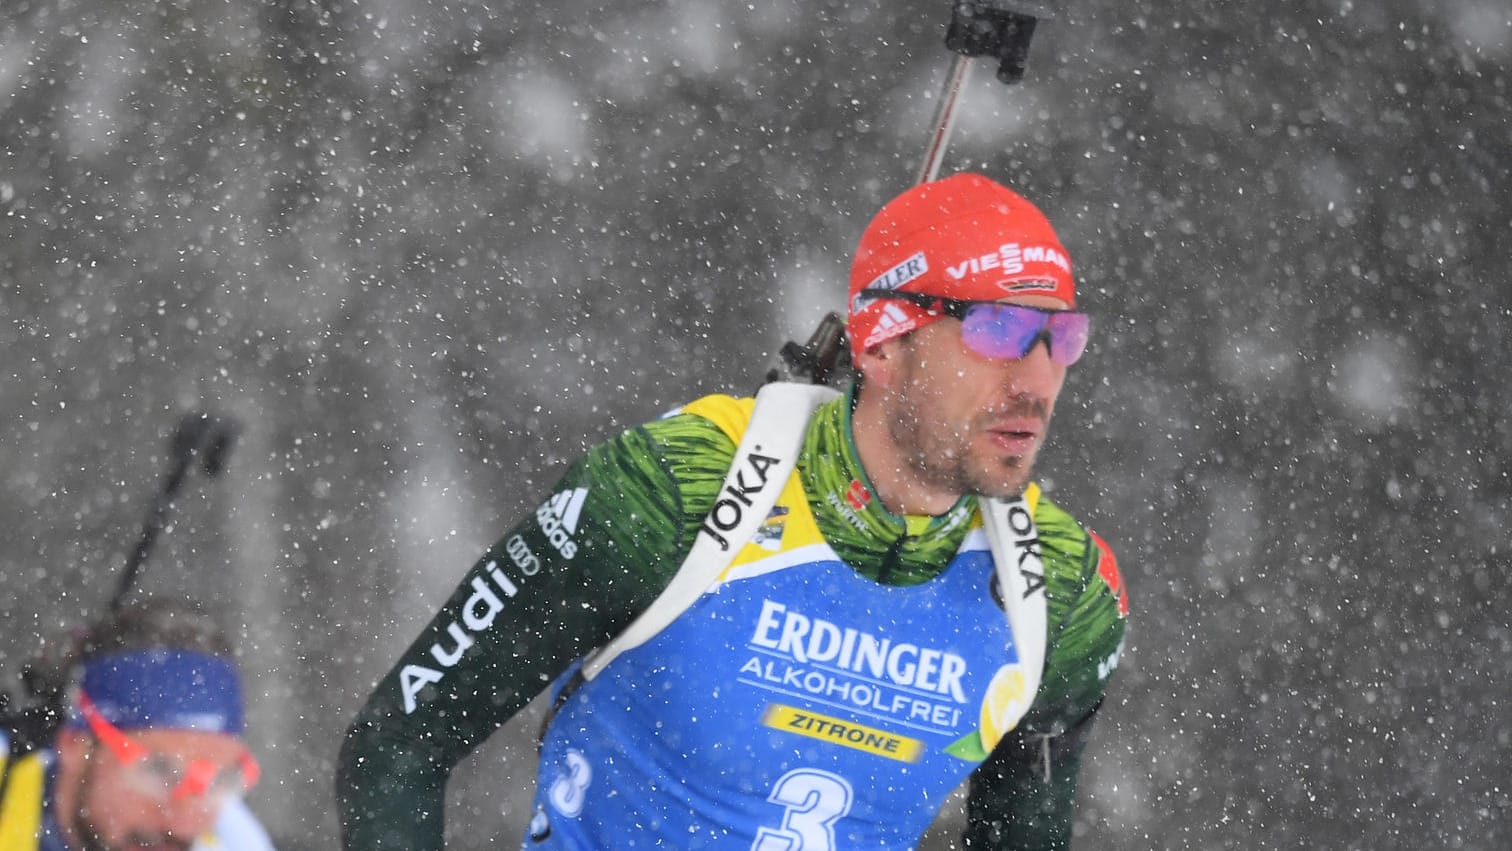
column 1007, row 481
column 1003, row 490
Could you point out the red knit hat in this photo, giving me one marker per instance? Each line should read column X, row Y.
column 961, row 237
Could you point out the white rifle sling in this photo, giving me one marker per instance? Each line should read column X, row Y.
column 775, row 431
column 1015, row 546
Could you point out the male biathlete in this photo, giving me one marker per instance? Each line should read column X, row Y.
column 910, row 612
column 151, row 754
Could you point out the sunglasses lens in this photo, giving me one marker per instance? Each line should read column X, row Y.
column 154, row 775
column 1068, row 336
column 1009, row 331
column 199, row 781
column 1001, row 330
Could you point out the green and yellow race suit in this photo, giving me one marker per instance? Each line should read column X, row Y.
column 600, row 550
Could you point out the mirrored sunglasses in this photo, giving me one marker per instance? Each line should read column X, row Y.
column 996, row 329
column 169, row 779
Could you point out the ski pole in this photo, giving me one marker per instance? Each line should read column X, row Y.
column 944, row 120
column 200, row 438
column 998, row 28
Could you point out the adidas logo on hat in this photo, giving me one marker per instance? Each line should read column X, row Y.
column 963, row 237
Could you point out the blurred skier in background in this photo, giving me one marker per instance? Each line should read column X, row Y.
column 150, row 755
column 887, row 610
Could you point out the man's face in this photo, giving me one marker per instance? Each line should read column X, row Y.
column 964, row 423
column 118, row 805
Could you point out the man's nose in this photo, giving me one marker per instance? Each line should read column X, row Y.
column 1035, row 372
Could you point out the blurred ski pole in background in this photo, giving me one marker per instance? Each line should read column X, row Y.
column 202, row 441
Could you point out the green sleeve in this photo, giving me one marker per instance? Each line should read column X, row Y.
column 1023, row 797
column 598, row 550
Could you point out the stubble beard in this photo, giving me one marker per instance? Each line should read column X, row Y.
column 79, row 820
column 940, row 462
column 89, row 838
column 941, row 454
column 88, row 835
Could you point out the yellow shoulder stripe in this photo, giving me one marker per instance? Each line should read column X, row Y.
column 791, row 523
column 21, row 811
column 730, row 414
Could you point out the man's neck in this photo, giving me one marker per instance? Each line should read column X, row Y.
column 894, row 478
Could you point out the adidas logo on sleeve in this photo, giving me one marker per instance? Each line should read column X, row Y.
column 558, row 517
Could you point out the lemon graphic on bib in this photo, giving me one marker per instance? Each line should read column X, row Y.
column 1005, row 703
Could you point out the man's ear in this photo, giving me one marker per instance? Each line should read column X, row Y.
column 879, row 364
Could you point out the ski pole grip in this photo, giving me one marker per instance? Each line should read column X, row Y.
column 204, row 440
column 825, row 356
column 997, row 28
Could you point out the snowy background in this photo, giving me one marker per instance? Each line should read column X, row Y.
column 426, row 251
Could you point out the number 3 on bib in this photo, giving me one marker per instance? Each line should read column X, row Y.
column 567, row 793
column 814, row 801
